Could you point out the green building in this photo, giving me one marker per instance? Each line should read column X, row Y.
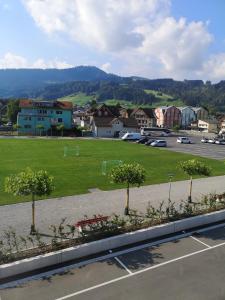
column 41, row 116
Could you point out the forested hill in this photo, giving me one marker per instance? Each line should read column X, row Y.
column 91, row 81
column 24, row 82
column 190, row 92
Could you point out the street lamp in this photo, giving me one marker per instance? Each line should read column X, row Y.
column 170, row 175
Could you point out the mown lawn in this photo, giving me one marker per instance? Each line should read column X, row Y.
column 76, row 174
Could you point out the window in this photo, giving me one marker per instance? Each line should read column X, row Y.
column 27, row 118
column 42, row 111
column 60, row 120
column 41, row 119
column 27, row 126
column 58, row 112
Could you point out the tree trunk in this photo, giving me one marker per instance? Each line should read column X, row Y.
column 126, row 211
column 190, row 191
column 32, row 229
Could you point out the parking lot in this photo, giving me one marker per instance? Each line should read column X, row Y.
column 196, row 147
column 189, row 266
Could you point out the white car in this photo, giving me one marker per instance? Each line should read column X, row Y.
column 159, row 143
column 183, row 140
column 131, row 136
column 211, row 141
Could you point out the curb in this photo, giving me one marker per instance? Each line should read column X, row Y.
column 80, row 251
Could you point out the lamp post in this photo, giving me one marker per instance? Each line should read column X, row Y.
column 170, row 175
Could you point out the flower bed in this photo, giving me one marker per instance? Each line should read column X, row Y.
column 14, row 248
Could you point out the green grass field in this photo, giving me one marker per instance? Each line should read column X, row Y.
column 76, row 174
column 79, row 99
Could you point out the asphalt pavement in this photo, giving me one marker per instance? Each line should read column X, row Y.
column 184, row 267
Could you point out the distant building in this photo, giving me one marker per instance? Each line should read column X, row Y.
column 187, row 116
column 47, row 114
column 112, row 126
column 208, row 125
column 168, row 116
column 145, row 117
column 201, row 113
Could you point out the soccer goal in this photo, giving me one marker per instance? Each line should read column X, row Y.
column 71, row 151
column 107, row 165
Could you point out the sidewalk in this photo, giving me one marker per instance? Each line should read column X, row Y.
column 51, row 211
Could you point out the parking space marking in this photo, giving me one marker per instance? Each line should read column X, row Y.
column 139, row 272
column 199, row 241
column 122, row 264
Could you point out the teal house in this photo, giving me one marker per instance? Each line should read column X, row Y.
column 36, row 116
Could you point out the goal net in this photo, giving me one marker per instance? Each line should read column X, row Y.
column 71, row 151
column 107, row 165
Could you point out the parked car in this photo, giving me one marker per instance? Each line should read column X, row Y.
column 159, row 143
column 183, row 140
column 204, row 140
column 220, row 142
column 149, row 142
column 211, row 141
column 9, row 124
column 143, row 140
column 131, row 136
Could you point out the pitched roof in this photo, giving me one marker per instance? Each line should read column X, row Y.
column 26, row 103
column 107, row 121
column 148, row 111
column 129, row 122
column 103, row 121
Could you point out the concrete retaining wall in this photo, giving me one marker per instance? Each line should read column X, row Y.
column 80, row 251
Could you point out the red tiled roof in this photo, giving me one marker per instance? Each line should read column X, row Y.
column 51, row 104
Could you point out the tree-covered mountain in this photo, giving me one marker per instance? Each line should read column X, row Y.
column 54, row 84
column 25, row 82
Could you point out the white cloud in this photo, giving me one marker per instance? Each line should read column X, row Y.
column 106, row 67
column 11, row 60
column 214, row 67
column 107, row 25
column 141, row 34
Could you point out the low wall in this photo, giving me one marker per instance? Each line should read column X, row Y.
column 87, row 249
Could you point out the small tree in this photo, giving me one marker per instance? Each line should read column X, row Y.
column 194, row 167
column 29, row 182
column 129, row 174
column 40, row 127
column 60, row 128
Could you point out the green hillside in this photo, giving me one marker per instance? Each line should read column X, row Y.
column 164, row 99
column 79, row 99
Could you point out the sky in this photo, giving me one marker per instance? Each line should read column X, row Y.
column 180, row 39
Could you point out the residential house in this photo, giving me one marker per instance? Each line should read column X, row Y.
column 187, row 116
column 208, row 125
column 221, row 124
column 113, row 126
column 145, row 117
column 201, row 113
column 168, row 116
column 47, row 114
column 126, row 112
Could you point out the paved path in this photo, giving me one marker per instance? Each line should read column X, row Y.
column 51, row 211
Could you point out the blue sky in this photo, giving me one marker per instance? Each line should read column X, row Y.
column 181, row 39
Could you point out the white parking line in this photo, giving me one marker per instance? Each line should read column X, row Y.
column 122, row 264
column 139, row 272
column 199, row 241
column 104, row 257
